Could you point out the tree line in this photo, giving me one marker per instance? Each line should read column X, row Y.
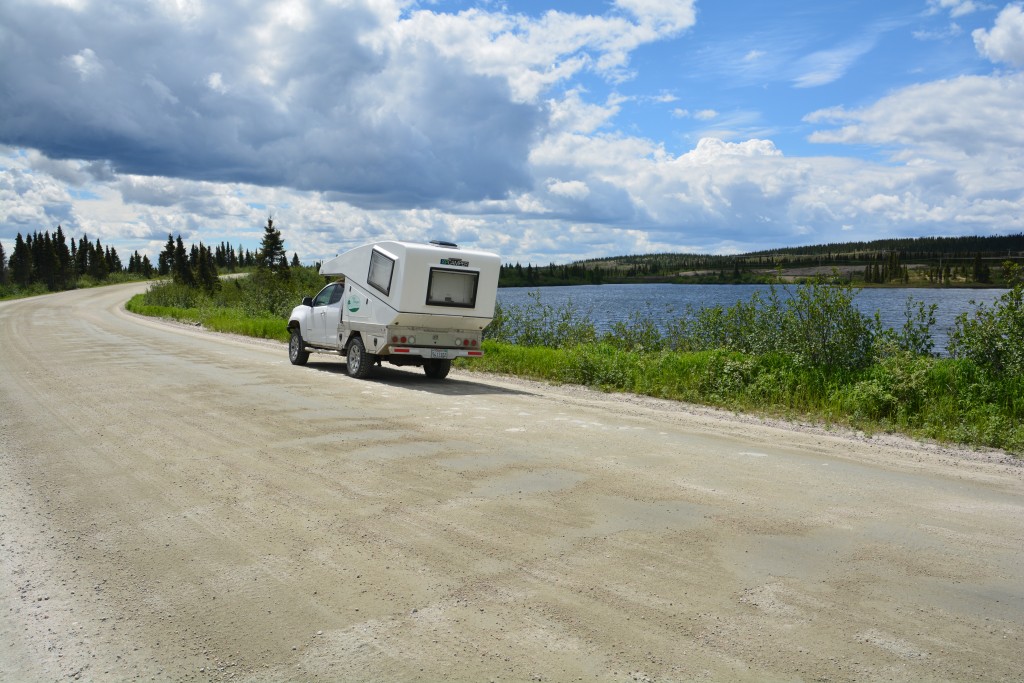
column 200, row 266
column 45, row 261
column 925, row 261
column 55, row 262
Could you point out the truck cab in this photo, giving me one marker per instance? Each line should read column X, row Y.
column 405, row 303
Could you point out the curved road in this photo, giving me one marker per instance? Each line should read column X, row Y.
column 178, row 505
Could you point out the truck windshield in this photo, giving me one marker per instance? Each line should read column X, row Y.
column 452, row 288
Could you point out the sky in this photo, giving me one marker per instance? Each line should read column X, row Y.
column 543, row 131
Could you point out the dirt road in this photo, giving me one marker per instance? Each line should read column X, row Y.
column 178, row 505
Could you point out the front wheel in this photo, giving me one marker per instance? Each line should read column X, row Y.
column 437, row 368
column 358, row 362
column 297, row 352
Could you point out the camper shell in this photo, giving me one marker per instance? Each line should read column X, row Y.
column 405, row 303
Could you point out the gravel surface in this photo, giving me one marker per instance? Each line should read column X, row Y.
column 179, row 505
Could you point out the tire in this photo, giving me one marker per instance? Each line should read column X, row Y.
column 437, row 368
column 297, row 352
column 358, row 362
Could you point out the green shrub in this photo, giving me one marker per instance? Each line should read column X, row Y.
column 541, row 324
column 993, row 336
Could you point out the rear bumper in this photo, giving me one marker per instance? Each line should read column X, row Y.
column 430, row 352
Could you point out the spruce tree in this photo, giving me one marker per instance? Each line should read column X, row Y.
column 3, row 266
column 206, row 270
column 272, row 254
column 21, row 263
column 97, row 262
column 65, row 268
column 82, row 257
column 165, row 262
column 182, row 273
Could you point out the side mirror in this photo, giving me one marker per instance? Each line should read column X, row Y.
column 307, row 301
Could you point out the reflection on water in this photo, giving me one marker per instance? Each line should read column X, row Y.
column 607, row 304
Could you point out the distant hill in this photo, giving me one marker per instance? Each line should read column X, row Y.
column 972, row 261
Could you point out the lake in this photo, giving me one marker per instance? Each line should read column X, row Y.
column 607, row 304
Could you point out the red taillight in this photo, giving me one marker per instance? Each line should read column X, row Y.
column 402, row 340
column 476, row 353
column 473, row 342
column 400, row 350
column 394, row 339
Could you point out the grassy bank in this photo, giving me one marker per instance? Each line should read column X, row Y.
column 256, row 305
column 950, row 400
column 807, row 352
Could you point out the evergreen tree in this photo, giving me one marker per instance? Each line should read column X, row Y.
column 97, row 262
column 165, row 262
column 46, row 263
column 21, row 263
column 82, row 257
column 146, row 267
column 182, row 273
column 206, row 269
column 272, row 254
column 65, row 267
column 114, row 261
column 3, row 266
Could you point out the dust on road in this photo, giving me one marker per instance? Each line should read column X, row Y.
column 178, row 505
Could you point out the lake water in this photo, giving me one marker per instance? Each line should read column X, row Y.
column 606, row 304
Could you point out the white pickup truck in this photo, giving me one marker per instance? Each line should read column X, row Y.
column 403, row 302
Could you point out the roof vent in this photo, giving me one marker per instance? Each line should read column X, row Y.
column 442, row 243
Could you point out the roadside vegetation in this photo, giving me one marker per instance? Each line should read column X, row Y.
column 256, row 305
column 802, row 351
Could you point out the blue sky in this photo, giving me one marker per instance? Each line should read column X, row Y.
column 542, row 131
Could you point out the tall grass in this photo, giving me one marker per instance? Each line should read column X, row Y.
column 256, row 306
column 807, row 351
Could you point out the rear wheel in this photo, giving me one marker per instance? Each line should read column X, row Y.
column 437, row 368
column 358, row 362
column 297, row 352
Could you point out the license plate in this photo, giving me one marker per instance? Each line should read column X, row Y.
column 438, row 353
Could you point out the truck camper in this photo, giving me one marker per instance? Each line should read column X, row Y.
column 402, row 302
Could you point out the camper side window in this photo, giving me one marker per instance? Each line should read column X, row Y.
column 381, row 269
column 452, row 288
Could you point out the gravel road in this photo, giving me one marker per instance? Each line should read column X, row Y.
column 184, row 506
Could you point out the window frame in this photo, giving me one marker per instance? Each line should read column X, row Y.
column 386, row 291
column 452, row 304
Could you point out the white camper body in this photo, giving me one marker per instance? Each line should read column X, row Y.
column 404, row 302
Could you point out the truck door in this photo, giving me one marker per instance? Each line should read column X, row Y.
column 317, row 324
column 330, row 316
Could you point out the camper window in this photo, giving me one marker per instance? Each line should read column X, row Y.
column 452, row 288
column 381, row 269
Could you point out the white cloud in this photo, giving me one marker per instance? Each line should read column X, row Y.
column 1005, row 42
column 574, row 189
column 705, row 114
column 825, row 66
column 956, row 8
column 950, row 120
column 382, row 104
